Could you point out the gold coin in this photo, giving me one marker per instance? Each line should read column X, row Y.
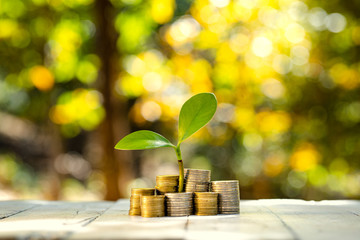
column 142, row 191
column 179, row 204
column 205, row 203
column 197, row 180
column 161, row 177
column 153, row 214
column 207, row 212
column 166, row 183
column 229, row 196
column 196, row 188
column 133, row 212
column 136, row 193
column 201, row 195
column 163, row 190
column 152, row 206
column 166, row 188
column 197, row 174
column 167, row 180
column 179, row 195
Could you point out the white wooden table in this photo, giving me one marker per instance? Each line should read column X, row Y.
column 259, row 219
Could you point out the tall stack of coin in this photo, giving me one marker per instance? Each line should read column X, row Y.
column 179, row 204
column 153, row 206
column 229, row 196
column 136, row 193
column 196, row 180
column 206, row 203
column 167, row 184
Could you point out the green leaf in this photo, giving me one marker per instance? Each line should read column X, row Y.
column 143, row 139
column 195, row 113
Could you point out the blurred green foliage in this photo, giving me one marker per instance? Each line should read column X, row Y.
column 286, row 74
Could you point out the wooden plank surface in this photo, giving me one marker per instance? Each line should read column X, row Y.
column 325, row 220
column 48, row 220
column 115, row 223
column 11, row 208
column 259, row 219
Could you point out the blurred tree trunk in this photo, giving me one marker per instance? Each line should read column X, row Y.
column 116, row 165
column 51, row 186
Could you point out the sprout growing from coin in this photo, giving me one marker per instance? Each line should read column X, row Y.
column 194, row 114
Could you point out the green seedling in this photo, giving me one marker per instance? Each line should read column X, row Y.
column 194, row 114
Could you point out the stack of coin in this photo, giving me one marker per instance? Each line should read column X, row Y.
column 153, row 206
column 196, row 180
column 167, row 184
column 136, row 193
column 229, row 196
column 179, row 204
column 206, row 203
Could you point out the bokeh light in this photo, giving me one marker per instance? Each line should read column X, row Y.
column 285, row 72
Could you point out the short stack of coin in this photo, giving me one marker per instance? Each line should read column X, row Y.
column 229, row 196
column 179, row 204
column 196, row 180
column 206, row 203
column 167, row 184
column 153, row 206
column 136, row 193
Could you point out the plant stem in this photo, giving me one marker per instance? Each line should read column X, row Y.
column 181, row 175
column 181, row 168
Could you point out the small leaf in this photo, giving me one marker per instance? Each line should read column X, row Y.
column 195, row 113
column 143, row 139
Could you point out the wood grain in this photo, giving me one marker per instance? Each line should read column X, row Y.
column 258, row 219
